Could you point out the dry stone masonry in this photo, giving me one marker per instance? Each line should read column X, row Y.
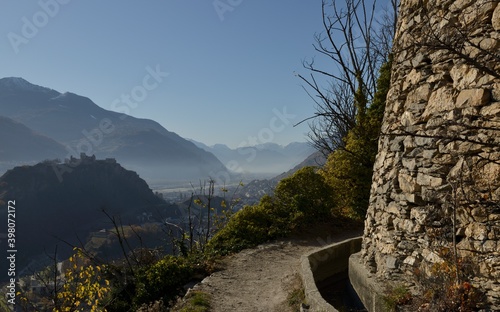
column 438, row 168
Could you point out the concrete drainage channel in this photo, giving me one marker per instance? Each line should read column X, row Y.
column 328, row 265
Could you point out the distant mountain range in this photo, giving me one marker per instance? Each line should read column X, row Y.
column 38, row 123
column 44, row 123
column 264, row 160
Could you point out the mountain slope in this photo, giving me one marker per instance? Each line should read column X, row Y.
column 83, row 126
column 23, row 144
column 316, row 159
column 255, row 189
column 49, row 210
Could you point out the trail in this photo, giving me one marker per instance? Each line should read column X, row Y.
column 260, row 279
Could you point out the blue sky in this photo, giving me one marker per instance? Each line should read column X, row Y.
column 230, row 72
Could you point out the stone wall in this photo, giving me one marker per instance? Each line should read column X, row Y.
column 439, row 152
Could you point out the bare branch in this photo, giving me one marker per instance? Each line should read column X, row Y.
column 357, row 44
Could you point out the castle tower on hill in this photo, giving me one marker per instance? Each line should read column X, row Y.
column 436, row 182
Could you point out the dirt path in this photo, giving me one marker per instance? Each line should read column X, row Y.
column 260, row 279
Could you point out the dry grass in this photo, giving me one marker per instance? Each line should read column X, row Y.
column 295, row 296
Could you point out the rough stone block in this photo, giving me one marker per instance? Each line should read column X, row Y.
column 410, row 163
column 419, row 95
column 429, row 195
column 439, row 101
column 412, row 78
column 391, row 263
column 463, row 76
column 430, row 153
column 412, row 198
column 419, row 214
column 469, row 148
column 479, row 214
column 495, row 19
column 408, row 119
column 436, row 122
column 393, row 208
column 431, row 256
column 492, row 110
column 428, row 180
column 410, row 260
column 470, row 112
column 407, row 183
column 487, row 79
column 480, row 11
column 489, row 44
column 397, row 144
column 473, row 97
column 477, row 231
column 445, row 159
column 495, row 92
column 424, row 141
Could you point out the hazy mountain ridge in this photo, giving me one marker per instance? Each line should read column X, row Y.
column 269, row 158
column 23, row 144
column 316, row 159
column 82, row 126
column 255, row 189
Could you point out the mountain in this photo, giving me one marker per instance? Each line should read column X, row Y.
column 316, row 159
column 255, row 189
column 49, row 211
column 264, row 160
column 82, row 126
column 23, row 144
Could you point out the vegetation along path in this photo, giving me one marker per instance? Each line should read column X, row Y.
column 262, row 278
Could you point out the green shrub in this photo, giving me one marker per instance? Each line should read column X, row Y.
column 249, row 227
column 154, row 286
column 304, row 198
column 300, row 200
column 163, row 280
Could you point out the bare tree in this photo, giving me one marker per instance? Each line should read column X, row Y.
column 357, row 42
column 48, row 283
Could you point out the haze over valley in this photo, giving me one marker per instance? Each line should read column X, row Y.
column 72, row 164
column 40, row 123
column 132, row 134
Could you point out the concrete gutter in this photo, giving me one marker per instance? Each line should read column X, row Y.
column 323, row 263
column 369, row 291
